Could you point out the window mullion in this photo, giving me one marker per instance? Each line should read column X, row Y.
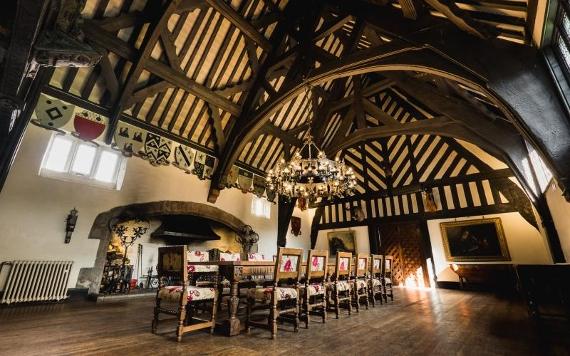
column 71, row 157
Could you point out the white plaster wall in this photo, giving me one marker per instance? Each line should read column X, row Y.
column 361, row 237
column 33, row 208
column 560, row 210
column 526, row 245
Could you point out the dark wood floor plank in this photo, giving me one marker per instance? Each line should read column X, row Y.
column 418, row 322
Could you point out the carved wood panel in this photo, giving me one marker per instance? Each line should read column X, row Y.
column 404, row 242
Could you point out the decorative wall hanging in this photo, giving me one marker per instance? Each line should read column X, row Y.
column 199, row 162
column 357, row 213
column 209, row 166
column 129, row 139
column 258, row 185
column 271, row 195
column 52, row 114
column 429, row 201
column 183, row 158
column 474, row 240
column 231, row 180
column 296, row 225
column 88, row 125
column 157, row 149
column 245, row 180
column 343, row 241
column 302, row 203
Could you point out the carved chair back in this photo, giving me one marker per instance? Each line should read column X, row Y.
column 172, row 261
column 376, row 265
column 343, row 265
column 288, row 265
column 317, row 262
column 361, row 265
column 388, row 265
column 175, row 264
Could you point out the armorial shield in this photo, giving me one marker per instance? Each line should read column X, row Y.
column 183, row 158
column 157, row 149
column 51, row 113
column 129, row 139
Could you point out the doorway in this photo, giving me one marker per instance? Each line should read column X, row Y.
column 405, row 242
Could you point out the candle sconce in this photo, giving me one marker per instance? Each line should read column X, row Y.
column 71, row 221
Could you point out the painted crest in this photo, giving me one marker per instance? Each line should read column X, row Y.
column 271, row 195
column 199, row 164
column 88, row 125
column 258, row 185
column 231, row 179
column 129, row 139
column 209, row 166
column 51, row 113
column 296, row 226
column 245, row 180
column 183, row 158
column 157, row 149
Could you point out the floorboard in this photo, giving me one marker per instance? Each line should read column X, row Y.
column 418, row 322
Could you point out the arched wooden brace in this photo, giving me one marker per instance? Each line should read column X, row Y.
column 399, row 55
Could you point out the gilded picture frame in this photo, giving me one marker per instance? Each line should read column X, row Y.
column 342, row 240
column 481, row 240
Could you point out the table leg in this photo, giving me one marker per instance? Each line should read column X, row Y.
column 234, row 326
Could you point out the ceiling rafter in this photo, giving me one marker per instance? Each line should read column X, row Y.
column 175, row 76
column 238, row 21
column 156, row 24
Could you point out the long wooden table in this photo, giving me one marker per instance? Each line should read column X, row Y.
column 241, row 271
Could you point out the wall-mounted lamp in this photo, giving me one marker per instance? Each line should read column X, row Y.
column 71, row 221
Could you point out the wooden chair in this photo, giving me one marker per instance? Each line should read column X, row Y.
column 340, row 289
column 360, row 282
column 314, row 298
column 189, row 287
column 375, row 283
column 281, row 299
column 387, row 278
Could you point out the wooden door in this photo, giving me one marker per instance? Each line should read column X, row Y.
column 404, row 242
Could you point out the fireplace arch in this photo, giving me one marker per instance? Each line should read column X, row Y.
column 90, row 277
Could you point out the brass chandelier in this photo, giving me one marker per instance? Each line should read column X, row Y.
column 311, row 175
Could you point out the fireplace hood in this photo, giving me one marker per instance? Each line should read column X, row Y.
column 185, row 227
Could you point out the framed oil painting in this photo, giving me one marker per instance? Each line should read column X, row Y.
column 343, row 241
column 475, row 241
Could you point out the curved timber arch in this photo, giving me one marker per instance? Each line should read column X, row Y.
column 525, row 95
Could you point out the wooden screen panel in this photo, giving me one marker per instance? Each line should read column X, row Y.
column 404, row 242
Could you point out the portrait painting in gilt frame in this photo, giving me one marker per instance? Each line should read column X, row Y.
column 343, row 241
column 474, row 240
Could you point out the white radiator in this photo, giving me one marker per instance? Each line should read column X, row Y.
column 36, row 281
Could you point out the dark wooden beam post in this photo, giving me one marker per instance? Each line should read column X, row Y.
column 284, row 214
column 373, row 238
column 315, row 225
column 11, row 143
column 18, row 94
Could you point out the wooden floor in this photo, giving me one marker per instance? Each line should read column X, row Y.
column 418, row 322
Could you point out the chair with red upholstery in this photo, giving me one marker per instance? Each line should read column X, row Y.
column 340, row 287
column 375, row 289
column 314, row 296
column 282, row 297
column 360, row 282
column 387, row 277
column 185, row 288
